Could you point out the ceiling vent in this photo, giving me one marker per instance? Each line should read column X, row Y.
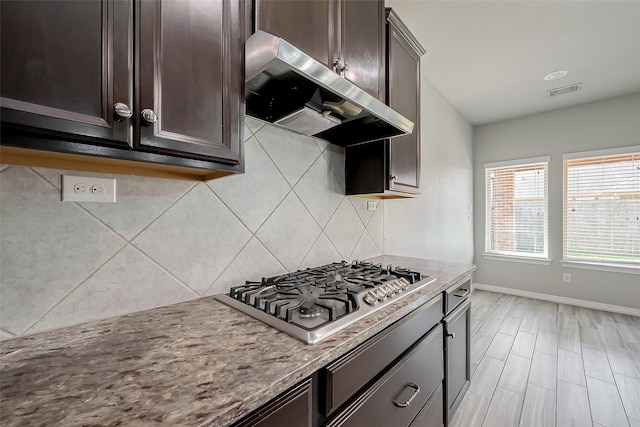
column 576, row 87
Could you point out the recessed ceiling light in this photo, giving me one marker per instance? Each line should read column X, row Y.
column 555, row 75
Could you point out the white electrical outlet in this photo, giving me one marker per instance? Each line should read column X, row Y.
column 371, row 206
column 88, row 189
column 566, row 277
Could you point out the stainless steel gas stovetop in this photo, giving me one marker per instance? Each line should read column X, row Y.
column 315, row 303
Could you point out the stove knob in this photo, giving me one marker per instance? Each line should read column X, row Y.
column 370, row 299
column 392, row 289
column 382, row 294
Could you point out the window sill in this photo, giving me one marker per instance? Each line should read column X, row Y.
column 526, row 260
column 602, row 266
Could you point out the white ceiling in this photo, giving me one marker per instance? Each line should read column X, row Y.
column 489, row 57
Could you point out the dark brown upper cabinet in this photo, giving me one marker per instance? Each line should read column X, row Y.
column 65, row 65
column 125, row 83
column 345, row 35
column 391, row 168
column 189, row 77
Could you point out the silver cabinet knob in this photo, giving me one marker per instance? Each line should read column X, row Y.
column 122, row 111
column 149, row 117
column 344, row 67
column 393, row 177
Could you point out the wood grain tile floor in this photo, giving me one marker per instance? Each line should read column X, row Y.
column 537, row 363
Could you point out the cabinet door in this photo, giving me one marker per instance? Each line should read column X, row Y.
column 309, row 25
column 189, row 56
column 403, row 96
column 64, row 66
column 362, row 44
column 458, row 359
column 291, row 409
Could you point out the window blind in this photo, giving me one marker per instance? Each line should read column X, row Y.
column 516, row 209
column 602, row 208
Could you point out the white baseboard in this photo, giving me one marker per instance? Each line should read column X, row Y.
column 562, row 300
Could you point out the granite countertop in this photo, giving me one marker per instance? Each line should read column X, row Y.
column 198, row 363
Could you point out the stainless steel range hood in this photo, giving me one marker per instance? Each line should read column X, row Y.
column 287, row 87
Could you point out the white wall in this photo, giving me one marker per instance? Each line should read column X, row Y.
column 605, row 124
column 437, row 224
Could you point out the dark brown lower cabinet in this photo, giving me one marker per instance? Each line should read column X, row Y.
column 431, row 414
column 351, row 372
column 292, row 409
column 457, row 361
column 398, row 397
column 394, row 379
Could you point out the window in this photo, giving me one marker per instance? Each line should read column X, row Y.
column 516, row 208
column 602, row 206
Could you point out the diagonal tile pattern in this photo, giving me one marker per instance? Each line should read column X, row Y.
column 345, row 228
column 292, row 153
column 253, row 262
column 201, row 223
column 335, row 156
column 254, row 125
column 254, row 195
column 5, row 335
column 47, row 247
column 320, row 191
column 143, row 198
column 365, row 248
column 360, row 205
column 322, row 252
column 169, row 240
column 277, row 234
column 129, row 282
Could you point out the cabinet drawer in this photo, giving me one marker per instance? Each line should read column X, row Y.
column 398, row 396
column 431, row 414
column 351, row 372
column 457, row 294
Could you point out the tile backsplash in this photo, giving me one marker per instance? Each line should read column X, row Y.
column 167, row 241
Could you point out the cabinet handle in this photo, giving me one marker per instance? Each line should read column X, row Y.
column 462, row 293
column 393, row 177
column 343, row 68
column 149, row 117
column 451, row 335
column 337, row 66
column 122, row 111
column 412, row 388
